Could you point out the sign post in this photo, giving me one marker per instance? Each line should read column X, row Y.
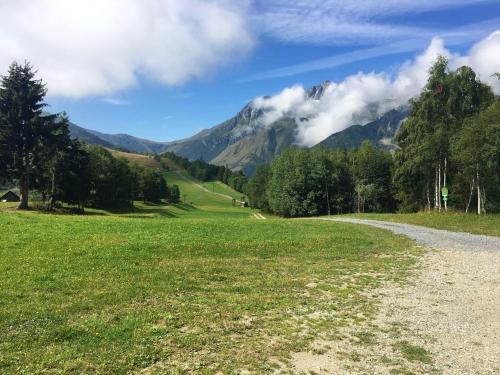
column 444, row 193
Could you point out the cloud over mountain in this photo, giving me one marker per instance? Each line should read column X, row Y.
column 361, row 97
column 95, row 47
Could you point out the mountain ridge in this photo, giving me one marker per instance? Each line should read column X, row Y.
column 246, row 140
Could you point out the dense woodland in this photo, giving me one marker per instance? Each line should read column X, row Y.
column 451, row 139
column 37, row 153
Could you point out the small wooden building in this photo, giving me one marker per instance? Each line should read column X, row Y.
column 10, row 196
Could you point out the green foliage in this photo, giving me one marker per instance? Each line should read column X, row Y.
column 476, row 152
column 23, row 126
column 371, row 173
column 309, row 182
column 424, row 139
column 174, row 194
column 111, row 179
column 257, row 188
column 152, row 186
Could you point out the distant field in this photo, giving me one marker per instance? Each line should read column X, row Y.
column 207, row 203
column 142, row 160
column 219, row 187
column 471, row 223
column 191, row 288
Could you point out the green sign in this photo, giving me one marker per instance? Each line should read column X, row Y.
column 445, row 198
column 444, row 192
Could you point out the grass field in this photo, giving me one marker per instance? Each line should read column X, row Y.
column 142, row 160
column 192, row 288
column 459, row 222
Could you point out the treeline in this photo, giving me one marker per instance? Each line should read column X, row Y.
column 308, row 182
column 451, row 141
column 36, row 151
column 204, row 171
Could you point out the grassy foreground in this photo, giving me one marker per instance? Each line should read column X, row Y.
column 455, row 221
column 178, row 294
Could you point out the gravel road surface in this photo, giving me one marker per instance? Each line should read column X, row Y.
column 435, row 238
column 444, row 320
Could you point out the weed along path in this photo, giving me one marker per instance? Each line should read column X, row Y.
column 444, row 319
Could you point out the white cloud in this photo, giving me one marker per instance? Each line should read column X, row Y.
column 114, row 101
column 350, row 101
column 95, row 47
column 341, row 22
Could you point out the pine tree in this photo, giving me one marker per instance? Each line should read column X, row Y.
column 22, row 125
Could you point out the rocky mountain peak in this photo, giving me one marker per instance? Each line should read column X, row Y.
column 316, row 92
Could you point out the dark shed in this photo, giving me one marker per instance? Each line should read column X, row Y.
column 10, row 196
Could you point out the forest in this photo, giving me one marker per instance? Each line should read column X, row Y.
column 448, row 158
column 38, row 154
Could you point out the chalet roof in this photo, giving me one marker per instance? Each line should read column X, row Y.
column 10, row 194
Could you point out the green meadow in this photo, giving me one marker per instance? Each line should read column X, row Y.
column 199, row 287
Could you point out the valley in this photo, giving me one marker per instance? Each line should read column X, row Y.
column 212, row 187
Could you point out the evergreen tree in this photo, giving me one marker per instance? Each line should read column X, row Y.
column 174, row 194
column 153, row 186
column 257, row 188
column 73, row 176
column 22, row 126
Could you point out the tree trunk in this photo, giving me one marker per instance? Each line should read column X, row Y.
column 444, row 183
column 52, row 191
column 24, row 189
column 470, row 195
column 439, row 187
column 483, row 200
column 328, row 200
column 428, row 199
column 436, row 192
column 478, row 195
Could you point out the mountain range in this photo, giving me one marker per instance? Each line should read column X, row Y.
column 243, row 142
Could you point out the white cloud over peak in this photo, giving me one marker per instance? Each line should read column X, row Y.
column 95, row 47
column 350, row 101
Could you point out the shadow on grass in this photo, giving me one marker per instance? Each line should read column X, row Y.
column 145, row 210
column 185, row 207
column 140, row 210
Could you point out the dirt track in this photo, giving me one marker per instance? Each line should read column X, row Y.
column 448, row 314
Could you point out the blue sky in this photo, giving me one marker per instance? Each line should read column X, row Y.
column 187, row 79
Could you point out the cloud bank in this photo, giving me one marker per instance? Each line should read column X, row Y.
column 352, row 100
column 95, row 47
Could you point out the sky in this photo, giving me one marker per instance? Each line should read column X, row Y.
column 165, row 69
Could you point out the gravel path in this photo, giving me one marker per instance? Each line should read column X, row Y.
column 450, row 310
column 435, row 238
